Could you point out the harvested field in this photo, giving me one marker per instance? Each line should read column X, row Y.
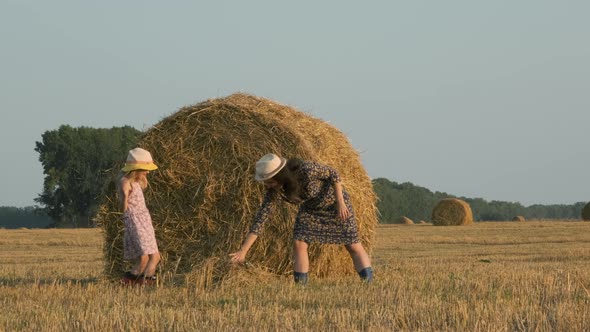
column 492, row 276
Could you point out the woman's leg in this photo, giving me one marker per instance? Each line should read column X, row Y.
column 361, row 261
column 301, row 259
column 359, row 256
column 151, row 265
column 140, row 265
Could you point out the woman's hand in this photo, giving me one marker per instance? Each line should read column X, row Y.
column 343, row 212
column 238, row 257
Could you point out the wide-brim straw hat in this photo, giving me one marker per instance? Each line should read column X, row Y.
column 139, row 159
column 268, row 166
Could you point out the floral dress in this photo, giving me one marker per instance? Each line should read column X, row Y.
column 139, row 238
column 317, row 220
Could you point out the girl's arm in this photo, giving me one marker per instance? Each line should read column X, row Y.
column 124, row 189
column 343, row 212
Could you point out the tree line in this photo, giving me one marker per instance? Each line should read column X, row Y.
column 29, row 217
column 415, row 202
column 77, row 163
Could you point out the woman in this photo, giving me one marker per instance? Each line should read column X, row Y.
column 325, row 213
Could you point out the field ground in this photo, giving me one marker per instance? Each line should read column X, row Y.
column 526, row 276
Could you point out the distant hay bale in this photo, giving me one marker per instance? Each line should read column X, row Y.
column 203, row 198
column 403, row 220
column 586, row 212
column 518, row 218
column 452, row 211
column 422, row 222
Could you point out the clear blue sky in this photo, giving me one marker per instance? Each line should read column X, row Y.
column 479, row 99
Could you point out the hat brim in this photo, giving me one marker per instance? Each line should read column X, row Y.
column 268, row 176
column 135, row 167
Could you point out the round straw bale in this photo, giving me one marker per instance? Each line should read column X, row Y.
column 422, row 222
column 452, row 211
column 403, row 220
column 586, row 212
column 203, row 198
column 518, row 218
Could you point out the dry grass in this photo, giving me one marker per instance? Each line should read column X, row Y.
column 532, row 276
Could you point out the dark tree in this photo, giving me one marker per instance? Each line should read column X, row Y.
column 75, row 163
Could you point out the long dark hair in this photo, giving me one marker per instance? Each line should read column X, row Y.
column 290, row 179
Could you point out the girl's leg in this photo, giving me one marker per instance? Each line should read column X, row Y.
column 152, row 263
column 301, row 259
column 361, row 261
column 139, row 267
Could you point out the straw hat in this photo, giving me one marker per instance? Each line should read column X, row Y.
column 139, row 158
column 268, row 166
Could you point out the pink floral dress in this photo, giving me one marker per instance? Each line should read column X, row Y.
column 139, row 238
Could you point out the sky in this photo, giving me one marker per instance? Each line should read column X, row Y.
column 486, row 99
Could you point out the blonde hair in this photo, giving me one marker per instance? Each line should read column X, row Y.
column 134, row 176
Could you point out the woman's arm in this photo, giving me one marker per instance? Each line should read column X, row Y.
column 343, row 212
column 321, row 172
column 240, row 255
column 329, row 174
column 262, row 216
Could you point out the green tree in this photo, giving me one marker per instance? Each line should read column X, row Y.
column 406, row 199
column 75, row 163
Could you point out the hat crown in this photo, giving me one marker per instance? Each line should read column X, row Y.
column 139, row 155
column 268, row 166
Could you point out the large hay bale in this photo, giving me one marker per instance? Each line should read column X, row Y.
column 519, row 218
column 452, row 211
column 586, row 212
column 403, row 220
column 204, row 197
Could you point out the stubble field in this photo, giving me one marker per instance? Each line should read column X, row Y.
column 526, row 276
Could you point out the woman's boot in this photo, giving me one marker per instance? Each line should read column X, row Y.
column 366, row 274
column 300, row 277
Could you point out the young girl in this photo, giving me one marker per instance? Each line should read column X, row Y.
column 325, row 213
column 139, row 240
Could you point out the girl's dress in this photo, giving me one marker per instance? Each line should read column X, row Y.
column 317, row 220
column 139, row 238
